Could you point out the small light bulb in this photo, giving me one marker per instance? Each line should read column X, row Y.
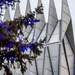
column 35, row 38
column 4, row 58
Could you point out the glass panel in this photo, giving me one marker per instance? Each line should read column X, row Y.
column 64, row 26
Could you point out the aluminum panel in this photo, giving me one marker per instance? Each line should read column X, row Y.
column 50, row 29
column 52, row 4
column 71, row 61
column 72, row 71
column 56, row 31
column 32, row 73
column 68, row 50
column 64, row 26
column 55, row 73
column 40, row 24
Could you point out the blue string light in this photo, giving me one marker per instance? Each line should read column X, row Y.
column 10, row 44
column 9, row 28
column 1, row 3
column 2, row 23
column 29, row 22
column 1, row 36
column 4, row 4
column 7, row 48
column 4, row 58
column 36, row 20
column 9, row 0
column 12, row 58
column 31, row 47
column 4, row 26
column 7, row 32
column 22, row 39
column 35, row 38
column 23, row 49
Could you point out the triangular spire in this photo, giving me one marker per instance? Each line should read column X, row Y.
column 39, row 25
column 28, row 7
column 67, row 41
column 52, row 20
column 66, row 17
column 17, row 11
column 7, row 15
column 65, row 7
